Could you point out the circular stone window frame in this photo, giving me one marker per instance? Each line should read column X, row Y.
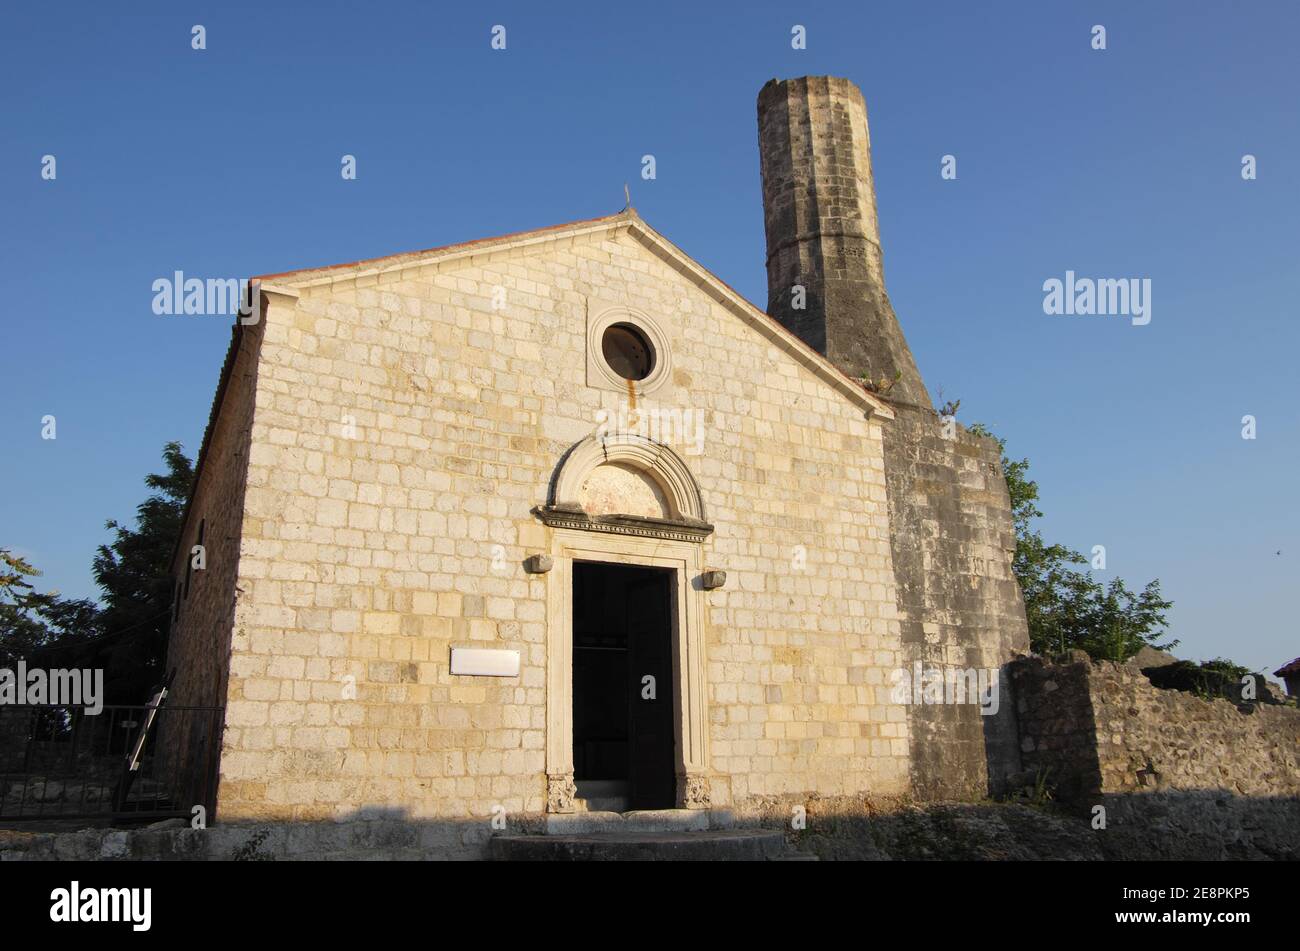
column 600, row 373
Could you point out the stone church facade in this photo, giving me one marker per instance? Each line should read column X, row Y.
column 558, row 521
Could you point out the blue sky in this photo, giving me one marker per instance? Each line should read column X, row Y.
column 1119, row 163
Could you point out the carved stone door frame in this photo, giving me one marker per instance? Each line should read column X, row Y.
column 690, row 720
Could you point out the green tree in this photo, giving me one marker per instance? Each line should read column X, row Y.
column 126, row 634
column 132, row 573
column 1067, row 608
column 31, row 622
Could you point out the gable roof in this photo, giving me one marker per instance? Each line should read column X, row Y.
column 637, row 228
column 628, row 219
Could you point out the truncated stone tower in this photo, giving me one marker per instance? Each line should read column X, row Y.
column 825, row 276
column 951, row 534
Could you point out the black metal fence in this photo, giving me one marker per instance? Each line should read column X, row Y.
column 124, row 763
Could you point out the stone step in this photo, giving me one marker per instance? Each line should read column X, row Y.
column 640, row 820
column 602, row 804
column 718, row 845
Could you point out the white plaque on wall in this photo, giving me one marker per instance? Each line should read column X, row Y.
column 479, row 662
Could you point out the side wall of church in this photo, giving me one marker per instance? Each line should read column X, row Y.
column 207, row 605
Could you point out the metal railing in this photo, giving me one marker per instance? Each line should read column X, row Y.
column 125, row 763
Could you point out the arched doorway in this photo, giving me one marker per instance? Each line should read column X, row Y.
column 626, row 725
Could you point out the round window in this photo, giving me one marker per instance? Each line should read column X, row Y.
column 627, row 351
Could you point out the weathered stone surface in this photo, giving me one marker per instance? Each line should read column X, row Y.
column 747, row 845
column 538, row 564
column 959, row 605
column 945, row 832
column 641, row 820
column 819, row 201
column 1150, row 657
column 1178, row 776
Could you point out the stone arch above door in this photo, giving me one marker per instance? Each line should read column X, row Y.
column 625, row 483
column 624, row 499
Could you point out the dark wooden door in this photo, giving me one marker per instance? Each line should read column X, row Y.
column 651, row 762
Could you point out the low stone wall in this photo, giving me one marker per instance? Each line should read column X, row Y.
column 391, row 839
column 1178, row 776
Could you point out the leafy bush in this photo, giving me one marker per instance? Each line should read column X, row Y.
column 1067, row 608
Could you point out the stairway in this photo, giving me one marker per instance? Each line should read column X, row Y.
column 683, row 835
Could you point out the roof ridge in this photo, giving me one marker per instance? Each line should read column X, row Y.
column 628, row 213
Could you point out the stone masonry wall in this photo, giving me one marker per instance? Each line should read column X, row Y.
column 959, row 603
column 1180, row 777
column 198, row 646
column 367, row 557
column 819, row 204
